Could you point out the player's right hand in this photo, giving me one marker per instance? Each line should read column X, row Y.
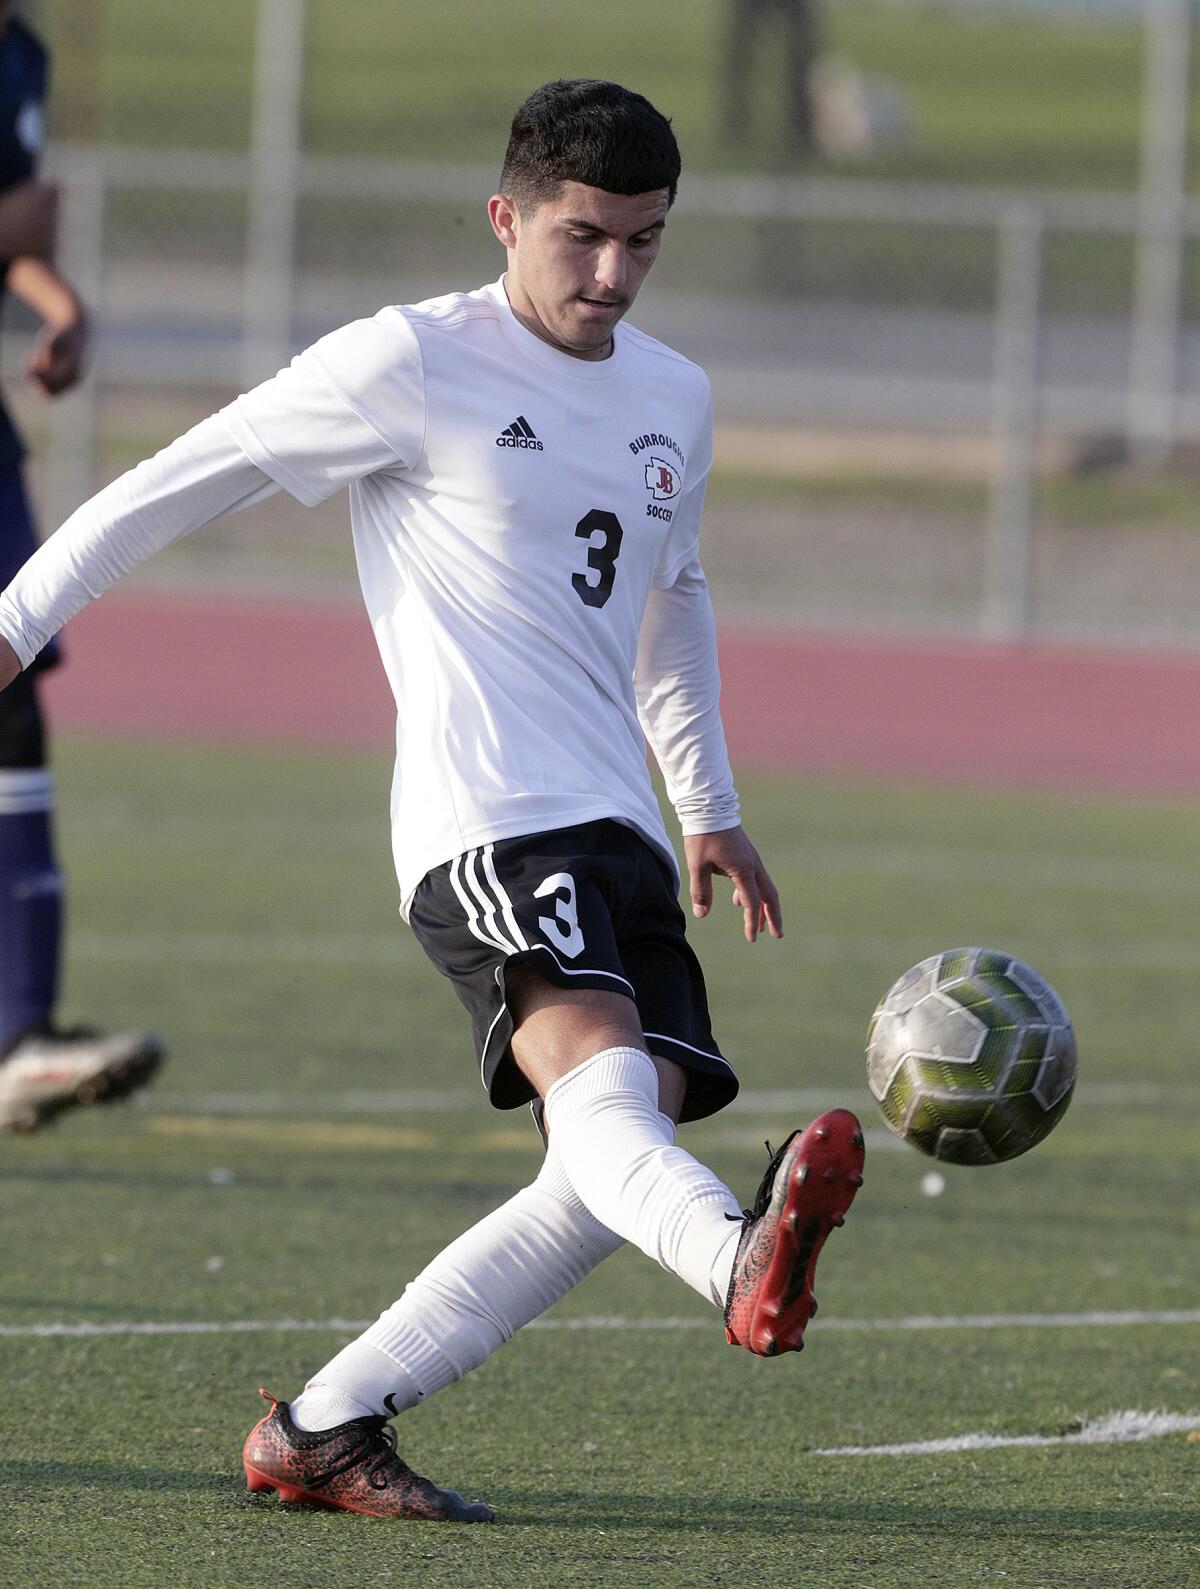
column 730, row 854
column 10, row 664
column 57, row 361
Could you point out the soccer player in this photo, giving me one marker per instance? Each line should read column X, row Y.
column 526, row 476
column 43, row 1068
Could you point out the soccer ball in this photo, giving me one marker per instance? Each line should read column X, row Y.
column 971, row 1056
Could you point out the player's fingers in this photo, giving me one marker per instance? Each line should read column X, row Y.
column 772, row 911
column 701, row 890
column 745, row 894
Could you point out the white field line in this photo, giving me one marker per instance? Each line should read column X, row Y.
column 430, row 1100
column 587, row 1322
column 1116, row 1428
column 392, row 948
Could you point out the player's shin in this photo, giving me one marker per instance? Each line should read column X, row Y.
column 465, row 1305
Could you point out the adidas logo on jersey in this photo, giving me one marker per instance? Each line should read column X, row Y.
column 519, row 434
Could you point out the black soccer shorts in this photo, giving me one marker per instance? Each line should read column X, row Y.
column 591, row 906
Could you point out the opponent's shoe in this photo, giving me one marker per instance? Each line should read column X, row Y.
column 48, row 1069
column 809, row 1185
column 352, row 1468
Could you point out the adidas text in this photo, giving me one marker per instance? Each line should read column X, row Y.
column 519, row 434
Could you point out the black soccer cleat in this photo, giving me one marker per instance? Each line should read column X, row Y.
column 351, row 1468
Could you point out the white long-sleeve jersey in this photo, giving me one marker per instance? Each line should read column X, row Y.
column 526, row 526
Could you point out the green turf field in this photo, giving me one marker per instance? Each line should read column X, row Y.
column 319, row 1134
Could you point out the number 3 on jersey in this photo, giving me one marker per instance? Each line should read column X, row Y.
column 601, row 558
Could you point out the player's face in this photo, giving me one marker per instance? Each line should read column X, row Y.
column 575, row 263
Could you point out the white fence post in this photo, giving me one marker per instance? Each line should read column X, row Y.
column 269, row 285
column 1009, row 550
column 74, row 418
column 1166, row 115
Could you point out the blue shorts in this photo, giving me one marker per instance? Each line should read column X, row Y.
column 18, row 542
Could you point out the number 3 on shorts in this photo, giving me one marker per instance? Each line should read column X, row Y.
column 562, row 929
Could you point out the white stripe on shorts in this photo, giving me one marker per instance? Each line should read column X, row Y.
column 487, row 904
column 691, row 1047
column 471, row 909
column 501, row 894
column 586, row 971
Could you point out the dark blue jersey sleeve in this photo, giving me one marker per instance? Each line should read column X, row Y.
column 24, row 69
column 23, row 72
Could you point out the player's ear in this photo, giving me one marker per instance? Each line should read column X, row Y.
column 502, row 213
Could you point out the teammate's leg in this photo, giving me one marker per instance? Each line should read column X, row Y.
column 43, row 1069
column 30, row 882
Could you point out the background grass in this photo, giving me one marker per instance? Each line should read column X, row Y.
column 997, row 96
column 241, row 903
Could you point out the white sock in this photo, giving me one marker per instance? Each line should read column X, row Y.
column 619, row 1151
column 466, row 1304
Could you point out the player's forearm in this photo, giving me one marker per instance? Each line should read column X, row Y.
column 193, row 481
column 50, row 296
column 678, row 692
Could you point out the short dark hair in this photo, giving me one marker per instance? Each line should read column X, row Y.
column 582, row 129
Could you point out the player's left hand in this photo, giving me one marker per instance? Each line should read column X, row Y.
column 57, row 361
column 731, row 854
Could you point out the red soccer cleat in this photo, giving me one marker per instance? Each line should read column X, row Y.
column 351, row 1468
column 809, row 1185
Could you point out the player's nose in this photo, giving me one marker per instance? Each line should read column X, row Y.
column 611, row 267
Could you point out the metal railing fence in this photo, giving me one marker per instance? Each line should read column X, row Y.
column 190, row 288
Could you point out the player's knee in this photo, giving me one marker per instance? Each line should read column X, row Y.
column 22, row 727
column 672, row 1087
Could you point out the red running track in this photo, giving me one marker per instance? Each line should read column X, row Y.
column 221, row 669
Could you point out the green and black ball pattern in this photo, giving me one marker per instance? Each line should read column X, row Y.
column 971, row 1056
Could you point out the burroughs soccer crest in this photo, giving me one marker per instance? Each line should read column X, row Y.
column 662, row 482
